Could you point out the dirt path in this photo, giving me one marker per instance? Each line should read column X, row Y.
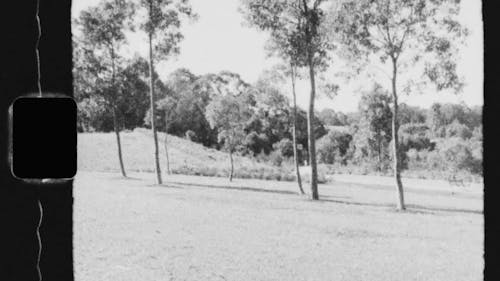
column 196, row 228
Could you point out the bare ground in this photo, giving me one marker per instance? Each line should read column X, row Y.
column 199, row 228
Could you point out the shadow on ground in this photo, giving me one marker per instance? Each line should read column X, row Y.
column 411, row 208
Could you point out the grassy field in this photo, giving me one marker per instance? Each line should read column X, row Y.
column 98, row 152
column 206, row 228
column 203, row 228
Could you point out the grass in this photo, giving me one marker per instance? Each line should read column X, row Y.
column 205, row 228
column 98, row 152
column 428, row 174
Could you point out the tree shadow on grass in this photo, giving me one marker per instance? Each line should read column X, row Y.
column 241, row 188
column 252, row 189
column 455, row 193
column 410, row 208
column 127, row 178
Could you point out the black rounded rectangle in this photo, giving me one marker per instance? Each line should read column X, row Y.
column 43, row 138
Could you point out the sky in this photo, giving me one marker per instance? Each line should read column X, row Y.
column 219, row 41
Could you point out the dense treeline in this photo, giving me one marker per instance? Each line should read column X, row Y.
column 442, row 141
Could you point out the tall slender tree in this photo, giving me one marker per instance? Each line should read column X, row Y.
column 404, row 35
column 299, row 25
column 161, row 23
column 103, row 27
column 279, row 73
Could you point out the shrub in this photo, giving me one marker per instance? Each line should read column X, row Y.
column 276, row 158
column 457, row 129
column 416, row 142
column 477, row 134
column 415, row 129
column 191, row 135
column 284, row 147
column 458, row 157
column 257, row 143
column 333, row 147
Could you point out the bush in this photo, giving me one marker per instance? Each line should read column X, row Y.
column 458, row 157
column 418, row 143
column 477, row 134
column 191, row 135
column 257, row 143
column 457, row 129
column 333, row 147
column 284, row 147
column 262, row 157
column 415, row 129
column 276, row 158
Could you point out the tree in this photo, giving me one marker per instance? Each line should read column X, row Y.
column 299, row 27
column 332, row 118
column 375, row 123
column 266, row 85
column 282, row 44
column 408, row 34
column 376, row 110
column 161, row 24
column 334, row 147
column 410, row 114
column 436, row 121
column 103, row 28
column 229, row 114
column 184, row 107
column 457, row 129
column 133, row 104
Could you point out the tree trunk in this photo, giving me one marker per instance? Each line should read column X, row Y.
column 379, row 154
column 118, row 142
column 395, row 139
column 294, row 136
column 152, row 94
column 310, row 132
column 115, row 118
column 232, row 165
column 166, row 144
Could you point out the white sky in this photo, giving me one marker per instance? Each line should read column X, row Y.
column 219, row 41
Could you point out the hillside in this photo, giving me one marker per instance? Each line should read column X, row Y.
column 98, row 152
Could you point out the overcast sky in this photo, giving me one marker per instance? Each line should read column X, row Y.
column 219, row 41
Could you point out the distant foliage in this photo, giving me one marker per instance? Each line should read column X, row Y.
column 440, row 116
column 457, row 129
column 284, row 147
column 333, row 148
column 477, row 134
column 229, row 114
column 330, row 117
column 411, row 114
column 457, row 156
column 276, row 158
column 191, row 135
column 415, row 136
column 257, row 143
column 373, row 131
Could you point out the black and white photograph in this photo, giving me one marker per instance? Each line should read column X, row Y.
column 307, row 140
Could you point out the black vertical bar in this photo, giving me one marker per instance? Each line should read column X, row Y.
column 55, row 49
column 19, row 213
